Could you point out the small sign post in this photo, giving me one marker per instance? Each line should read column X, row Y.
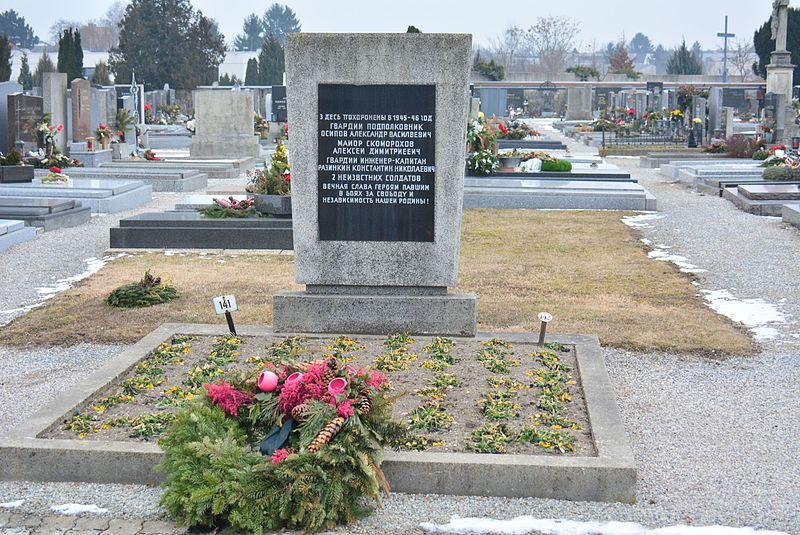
column 545, row 318
column 226, row 304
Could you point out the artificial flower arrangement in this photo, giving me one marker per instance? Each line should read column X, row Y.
column 48, row 131
column 676, row 115
column 275, row 179
column 104, row 134
column 230, row 207
column 150, row 155
column 294, row 446
column 55, row 176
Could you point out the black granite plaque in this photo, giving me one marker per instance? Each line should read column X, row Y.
column 376, row 162
column 279, row 103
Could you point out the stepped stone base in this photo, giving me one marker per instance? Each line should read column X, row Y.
column 377, row 310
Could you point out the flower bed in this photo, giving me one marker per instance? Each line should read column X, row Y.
column 469, row 396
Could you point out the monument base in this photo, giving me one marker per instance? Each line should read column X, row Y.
column 235, row 147
column 375, row 310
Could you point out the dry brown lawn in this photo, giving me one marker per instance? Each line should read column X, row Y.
column 586, row 268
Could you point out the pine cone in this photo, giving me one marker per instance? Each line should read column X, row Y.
column 329, row 374
column 300, row 412
column 364, row 405
column 327, row 433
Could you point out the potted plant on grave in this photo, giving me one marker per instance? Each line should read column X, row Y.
column 13, row 169
column 123, row 122
column 260, row 125
column 104, row 134
column 272, row 187
column 55, row 176
column 509, row 161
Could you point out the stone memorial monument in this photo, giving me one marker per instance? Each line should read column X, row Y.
column 224, row 125
column 6, row 89
column 54, row 93
column 780, row 72
column 579, row 103
column 377, row 145
column 24, row 113
column 81, row 109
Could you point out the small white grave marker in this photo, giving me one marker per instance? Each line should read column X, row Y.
column 545, row 318
column 225, row 304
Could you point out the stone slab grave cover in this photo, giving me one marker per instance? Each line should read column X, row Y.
column 224, row 125
column 378, row 130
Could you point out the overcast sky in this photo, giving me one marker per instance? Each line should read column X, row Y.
column 664, row 21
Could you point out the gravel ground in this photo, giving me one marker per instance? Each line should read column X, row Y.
column 715, row 440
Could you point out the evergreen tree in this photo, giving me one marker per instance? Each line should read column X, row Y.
column 641, row 46
column 764, row 45
column 25, row 78
column 279, row 20
column 697, row 51
column 661, row 57
column 100, row 76
column 251, row 38
column 271, row 62
column 5, row 58
column 251, row 75
column 167, row 41
column 44, row 65
column 77, row 55
column 18, row 32
column 224, row 80
column 684, row 62
column 413, row 29
column 66, row 55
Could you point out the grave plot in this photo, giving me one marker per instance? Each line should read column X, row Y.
column 493, row 415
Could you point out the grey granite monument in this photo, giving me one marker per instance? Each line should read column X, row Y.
column 224, row 125
column 377, row 149
column 6, row 88
column 579, row 103
column 54, row 93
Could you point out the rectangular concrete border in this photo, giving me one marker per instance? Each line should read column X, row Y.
column 608, row 476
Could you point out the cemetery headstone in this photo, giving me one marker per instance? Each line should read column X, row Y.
column 54, row 93
column 734, row 98
column 579, row 103
column 224, row 125
column 81, row 109
column 728, row 114
column 378, row 124
column 715, row 109
column 24, row 113
column 279, row 103
column 6, row 88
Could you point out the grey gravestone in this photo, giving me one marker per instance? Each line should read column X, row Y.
column 224, row 125
column 6, row 88
column 579, row 103
column 24, row 113
column 728, row 114
column 715, row 109
column 81, row 109
column 54, row 92
column 377, row 196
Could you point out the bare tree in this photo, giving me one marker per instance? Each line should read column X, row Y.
column 58, row 27
column 742, row 56
column 553, row 39
column 508, row 47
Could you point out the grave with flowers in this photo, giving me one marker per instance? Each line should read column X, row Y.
column 373, row 378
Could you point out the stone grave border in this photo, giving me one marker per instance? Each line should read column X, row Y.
column 609, row 476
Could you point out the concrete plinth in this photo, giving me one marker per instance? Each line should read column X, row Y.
column 92, row 158
column 224, row 125
column 365, row 310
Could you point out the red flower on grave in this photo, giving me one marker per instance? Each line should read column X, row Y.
column 148, row 107
column 503, row 128
column 119, row 134
column 103, row 126
column 279, row 456
column 60, row 127
column 227, row 397
column 52, row 128
column 287, row 177
column 631, row 111
column 777, row 147
column 55, row 169
column 286, row 128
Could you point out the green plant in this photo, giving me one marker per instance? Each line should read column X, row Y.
column 556, row 165
column 761, row 154
column 584, row 72
column 430, row 416
column 14, row 157
column 147, row 292
column 490, row 438
column 495, row 356
column 123, row 121
column 396, row 341
column 482, row 162
column 395, row 360
column 274, row 180
column 490, row 69
column 445, row 380
column 499, row 405
column 781, row 173
column 549, row 439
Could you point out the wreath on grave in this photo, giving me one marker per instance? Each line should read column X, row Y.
column 295, row 446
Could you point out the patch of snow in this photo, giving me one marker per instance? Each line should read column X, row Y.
column 641, row 220
column 77, row 509
column 525, row 524
column 11, row 505
column 755, row 314
column 660, row 253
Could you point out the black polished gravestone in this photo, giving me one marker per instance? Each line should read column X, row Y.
column 279, row 103
column 376, row 162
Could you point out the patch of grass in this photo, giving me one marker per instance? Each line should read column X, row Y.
column 586, row 268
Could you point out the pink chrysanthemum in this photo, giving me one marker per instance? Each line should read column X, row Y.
column 345, row 410
column 376, row 380
column 279, row 456
column 228, row 398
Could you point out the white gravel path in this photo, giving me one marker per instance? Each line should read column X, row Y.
column 715, row 440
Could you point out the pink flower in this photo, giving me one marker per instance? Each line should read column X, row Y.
column 52, row 128
column 103, row 126
column 227, row 398
column 55, row 169
column 337, row 386
column 60, row 127
column 345, row 410
column 279, row 456
column 376, row 380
